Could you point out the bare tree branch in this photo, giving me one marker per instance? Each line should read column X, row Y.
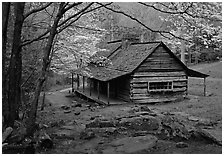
column 37, row 10
column 72, row 5
column 174, row 12
column 51, row 15
column 70, row 23
column 164, row 11
column 114, row 41
column 165, row 36
column 31, row 74
column 40, row 37
column 135, row 19
column 43, row 36
column 79, row 14
column 162, row 4
column 75, row 14
column 181, row 12
column 88, row 28
column 121, row 12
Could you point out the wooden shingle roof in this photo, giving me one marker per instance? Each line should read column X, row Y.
column 130, row 58
column 100, row 73
column 125, row 61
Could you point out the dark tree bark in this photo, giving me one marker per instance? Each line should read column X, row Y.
column 5, row 18
column 15, row 67
column 44, row 93
column 46, row 62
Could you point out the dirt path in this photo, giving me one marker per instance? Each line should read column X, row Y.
column 58, row 98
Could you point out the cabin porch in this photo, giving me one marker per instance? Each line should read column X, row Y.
column 103, row 92
column 101, row 98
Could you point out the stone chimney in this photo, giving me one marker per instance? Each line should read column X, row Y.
column 127, row 39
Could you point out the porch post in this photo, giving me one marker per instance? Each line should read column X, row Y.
column 77, row 81
column 83, row 83
column 204, row 86
column 98, row 89
column 108, row 92
column 72, row 83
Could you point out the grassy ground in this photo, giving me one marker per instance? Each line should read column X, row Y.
column 209, row 107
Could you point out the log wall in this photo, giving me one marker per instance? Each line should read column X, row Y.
column 159, row 66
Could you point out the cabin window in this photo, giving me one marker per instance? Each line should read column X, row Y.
column 156, row 86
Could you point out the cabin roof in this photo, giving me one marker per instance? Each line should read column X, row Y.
column 125, row 61
column 100, row 73
column 129, row 59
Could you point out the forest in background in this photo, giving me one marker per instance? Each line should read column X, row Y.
column 42, row 41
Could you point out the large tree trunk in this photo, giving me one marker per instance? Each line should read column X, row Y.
column 5, row 18
column 46, row 62
column 15, row 67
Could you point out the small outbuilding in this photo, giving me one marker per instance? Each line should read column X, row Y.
column 134, row 72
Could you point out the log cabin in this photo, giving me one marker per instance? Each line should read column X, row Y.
column 135, row 72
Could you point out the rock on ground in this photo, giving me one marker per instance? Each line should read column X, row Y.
column 87, row 135
column 140, row 123
column 131, row 145
column 181, row 145
column 213, row 135
column 100, row 123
